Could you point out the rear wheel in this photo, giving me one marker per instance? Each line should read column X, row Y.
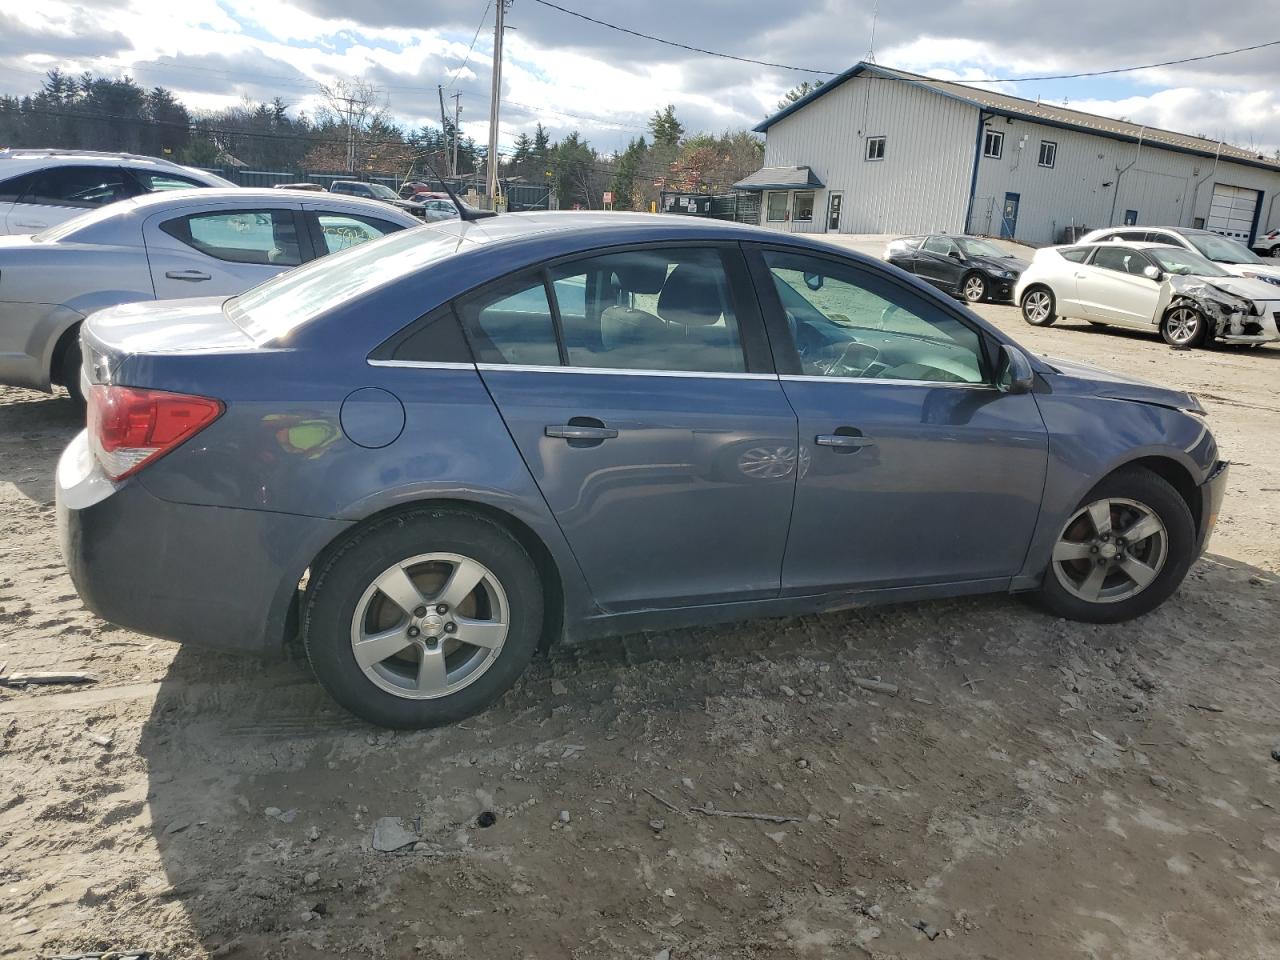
column 1038, row 307
column 69, row 370
column 1123, row 552
column 1184, row 326
column 423, row 618
column 974, row 288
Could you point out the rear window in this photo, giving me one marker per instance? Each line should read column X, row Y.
column 281, row 305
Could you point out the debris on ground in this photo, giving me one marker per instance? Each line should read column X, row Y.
column 711, row 811
column 39, row 677
column 390, row 834
column 876, row 685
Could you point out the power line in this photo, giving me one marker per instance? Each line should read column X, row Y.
column 833, row 73
column 453, row 83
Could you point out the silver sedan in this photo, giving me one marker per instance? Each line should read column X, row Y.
column 189, row 243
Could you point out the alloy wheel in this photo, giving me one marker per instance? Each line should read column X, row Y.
column 975, row 288
column 1110, row 550
column 430, row 625
column 1183, row 325
column 1036, row 306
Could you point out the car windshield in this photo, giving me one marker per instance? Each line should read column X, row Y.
column 1185, row 263
column 383, row 192
column 278, row 307
column 974, row 247
column 1222, row 249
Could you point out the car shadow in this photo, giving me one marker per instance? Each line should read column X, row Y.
column 34, row 429
column 263, row 795
column 1267, row 352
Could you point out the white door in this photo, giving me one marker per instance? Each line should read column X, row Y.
column 1113, row 287
column 221, row 251
column 59, row 193
column 1231, row 212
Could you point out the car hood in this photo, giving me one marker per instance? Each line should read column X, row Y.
column 413, row 206
column 1084, row 379
column 1247, row 287
column 1014, row 265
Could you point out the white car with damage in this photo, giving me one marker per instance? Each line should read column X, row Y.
column 1148, row 286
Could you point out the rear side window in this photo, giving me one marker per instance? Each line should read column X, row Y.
column 267, row 237
column 15, row 187
column 1075, row 254
column 649, row 310
column 154, row 182
column 82, row 187
column 340, row 231
column 510, row 322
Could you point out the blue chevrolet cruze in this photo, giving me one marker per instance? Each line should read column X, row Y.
column 436, row 452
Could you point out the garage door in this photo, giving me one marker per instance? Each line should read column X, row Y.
column 1232, row 211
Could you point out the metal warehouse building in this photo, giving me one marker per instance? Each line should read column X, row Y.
column 875, row 150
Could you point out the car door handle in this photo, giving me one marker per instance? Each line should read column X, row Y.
column 188, row 275
column 579, row 432
column 842, row 440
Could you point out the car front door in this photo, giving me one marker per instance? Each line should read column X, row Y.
column 919, row 470
column 223, row 251
column 939, row 261
column 1112, row 286
column 638, row 386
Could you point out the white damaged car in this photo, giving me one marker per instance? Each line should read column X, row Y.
column 1148, row 286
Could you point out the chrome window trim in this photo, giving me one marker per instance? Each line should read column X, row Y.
column 891, row 381
column 422, row 364
column 616, row 371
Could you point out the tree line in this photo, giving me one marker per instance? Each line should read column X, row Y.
column 352, row 130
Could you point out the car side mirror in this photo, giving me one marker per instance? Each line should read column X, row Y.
column 955, row 253
column 1152, row 272
column 813, row 281
column 1016, row 375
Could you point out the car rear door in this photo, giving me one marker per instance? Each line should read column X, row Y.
column 638, row 386
column 918, row 469
column 222, row 249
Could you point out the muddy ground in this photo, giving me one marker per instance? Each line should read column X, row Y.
column 1038, row 789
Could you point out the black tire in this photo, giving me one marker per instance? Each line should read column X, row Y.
column 974, row 288
column 1031, row 303
column 343, row 578
column 1157, row 495
column 69, row 370
column 1184, row 327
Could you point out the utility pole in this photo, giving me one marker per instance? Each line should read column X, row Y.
column 457, row 116
column 495, row 96
column 444, row 124
column 351, row 130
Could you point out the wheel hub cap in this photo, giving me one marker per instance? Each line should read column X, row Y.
column 1110, row 550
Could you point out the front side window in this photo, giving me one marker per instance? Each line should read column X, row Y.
column 875, row 148
column 943, row 246
column 155, row 182
column 804, row 207
column 993, row 144
column 510, row 322
column 340, row 231
column 1121, row 259
column 851, row 324
column 777, row 206
column 1048, row 153
column 267, row 237
column 667, row 310
column 83, row 187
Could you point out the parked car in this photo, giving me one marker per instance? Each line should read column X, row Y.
column 42, row 188
column 313, row 187
column 480, row 437
column 969, row 267
column 1231, row 255
column 1150, row 286
column 433, row 211
column 376, row 191
column 158, row 247
column 1268, row 244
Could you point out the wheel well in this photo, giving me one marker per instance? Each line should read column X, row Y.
column 60, row 350
column 1034, row 287
column 548, row 571
column 1178, row 477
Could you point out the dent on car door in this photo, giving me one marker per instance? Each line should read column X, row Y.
column 920, row 471
column 215, row 252
column 651, row 423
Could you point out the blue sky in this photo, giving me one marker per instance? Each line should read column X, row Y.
column 570, row 74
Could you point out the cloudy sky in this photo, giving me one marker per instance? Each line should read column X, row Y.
column 572, row 74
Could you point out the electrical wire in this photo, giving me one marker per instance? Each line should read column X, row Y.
column 480, row 26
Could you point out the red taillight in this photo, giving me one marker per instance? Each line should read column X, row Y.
column 129, row 427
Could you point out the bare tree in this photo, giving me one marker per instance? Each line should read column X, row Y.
column 361, row 109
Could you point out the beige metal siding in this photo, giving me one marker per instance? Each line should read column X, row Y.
column 921, row 185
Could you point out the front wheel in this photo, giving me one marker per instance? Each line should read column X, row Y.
column 1122, row 552
column 974, row 288
column 1184, row 326
column 1038, row 307
column 423, row 618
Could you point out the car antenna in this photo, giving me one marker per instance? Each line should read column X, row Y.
column 465, row 212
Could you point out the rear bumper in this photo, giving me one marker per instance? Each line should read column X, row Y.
column 212, row 576
column 1211, row 493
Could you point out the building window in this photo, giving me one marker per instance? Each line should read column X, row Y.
column 777, row 206
column 993, row 145
column 804, row 207
column 875, row 148
column 1048, row 153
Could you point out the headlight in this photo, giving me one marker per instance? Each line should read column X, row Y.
column 1265, row 278
column 1002, row 274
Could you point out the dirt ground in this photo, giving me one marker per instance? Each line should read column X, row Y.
column 1038, row 789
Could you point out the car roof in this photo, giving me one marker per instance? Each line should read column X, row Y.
column 22, row 159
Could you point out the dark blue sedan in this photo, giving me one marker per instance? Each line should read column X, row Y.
column 438, row 451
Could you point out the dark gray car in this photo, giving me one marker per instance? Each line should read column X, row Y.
column 440, row 450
